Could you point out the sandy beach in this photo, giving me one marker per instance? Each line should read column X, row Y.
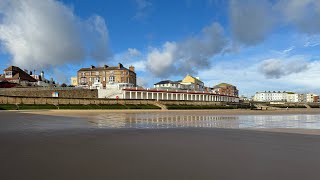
column 192, row 153
column 213, row 111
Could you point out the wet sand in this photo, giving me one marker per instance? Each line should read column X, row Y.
column 85, row 153
column 83, row 113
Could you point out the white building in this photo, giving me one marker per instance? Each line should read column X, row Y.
column 270, row 96
column 168, row 84
column 309, row 98
column 284, row 97
column 293, row 97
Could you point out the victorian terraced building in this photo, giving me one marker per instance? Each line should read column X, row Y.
column 100, row 77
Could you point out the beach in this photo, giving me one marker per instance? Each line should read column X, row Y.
column 78, row 152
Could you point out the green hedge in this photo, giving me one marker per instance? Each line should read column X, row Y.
column 199, row 107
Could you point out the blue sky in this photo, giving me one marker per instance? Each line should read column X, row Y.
column 255, row 45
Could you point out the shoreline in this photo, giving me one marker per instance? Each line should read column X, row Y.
column 198, row 111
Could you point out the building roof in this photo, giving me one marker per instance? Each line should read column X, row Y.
column 167, row 82
column 18, row 74
column 105, row 67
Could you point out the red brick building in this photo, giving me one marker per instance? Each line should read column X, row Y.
column 226, row 89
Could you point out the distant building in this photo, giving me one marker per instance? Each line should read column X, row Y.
column 193, row 82
column 270, row 96
column 168, row 84
column 226, row 89
column 14, row 74
column 188, row 83
column 310, row 98
column 100, row 77
column 74, row 81
column 285, row 97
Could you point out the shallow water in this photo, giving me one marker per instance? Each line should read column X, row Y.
column 156, row 120
column 161, row 120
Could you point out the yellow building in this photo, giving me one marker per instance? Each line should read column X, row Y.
column 194, row 82
column 74, row 81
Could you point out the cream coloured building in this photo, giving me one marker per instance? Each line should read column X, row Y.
column 100, row 77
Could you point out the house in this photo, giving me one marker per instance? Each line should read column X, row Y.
column 194, row 83
column 14, row 74
column 99, row 77
column 226, row 89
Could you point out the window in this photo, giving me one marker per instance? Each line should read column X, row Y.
column 111, row 79
column 8, row 74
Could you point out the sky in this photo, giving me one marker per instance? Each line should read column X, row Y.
column 256, row 45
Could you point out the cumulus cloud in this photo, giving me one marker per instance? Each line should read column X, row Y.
column 275, row 68
column 44, row 33
column 253, row 20
column 161, row 63
column 188, row 56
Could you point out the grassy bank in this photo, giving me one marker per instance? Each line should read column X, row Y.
column 75, row 106
column 283, row 106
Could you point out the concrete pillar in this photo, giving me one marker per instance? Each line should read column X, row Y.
column 162, row 96
column 152, row 95
column 157, row 96
column 147, row 95
column 136, row 95
column 130, row 95
column 124, row 94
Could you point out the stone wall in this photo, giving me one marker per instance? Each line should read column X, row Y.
column 47, row 92
column 60, row 100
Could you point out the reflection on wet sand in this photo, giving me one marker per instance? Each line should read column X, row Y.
column 169, row 120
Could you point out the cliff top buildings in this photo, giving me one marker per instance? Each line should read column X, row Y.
column 226, row 89
column 99, row 77
column 188, row 83
column 278, row 96
column 14, row 74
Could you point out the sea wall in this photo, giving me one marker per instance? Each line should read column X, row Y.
column 47, row 92
column 85, row 101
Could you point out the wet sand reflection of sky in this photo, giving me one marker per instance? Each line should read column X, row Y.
column 163, row 120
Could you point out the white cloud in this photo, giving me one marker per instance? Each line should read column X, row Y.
column 161, row 62
column 277, row 68
column 189, row 55
column 44, row 33
column 133, row 52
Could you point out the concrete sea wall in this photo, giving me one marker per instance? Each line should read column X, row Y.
column 87, row 101
column 47, row 92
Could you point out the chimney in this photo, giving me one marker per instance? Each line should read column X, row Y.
column 30, row 73
column 42, row 75
column 120, row 66
column 105, row 66
column 131, row 68
column 92, row 67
